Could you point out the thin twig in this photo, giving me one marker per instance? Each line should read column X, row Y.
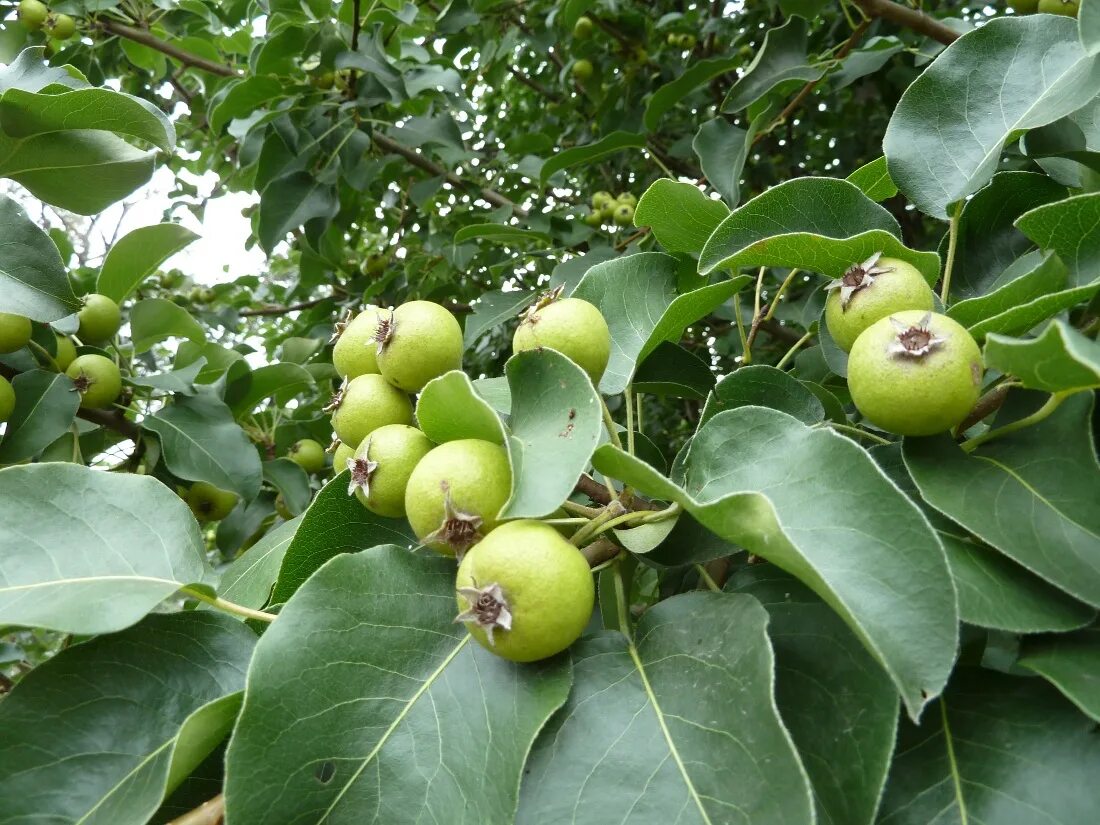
column 210, row 812
column 145, row 38
column 910, row 19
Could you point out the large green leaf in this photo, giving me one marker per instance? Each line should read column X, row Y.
column 1060, row 359
column 200, row 441
column 556, row 422
column 819, row 224
column 155, row 319
column 764, row 386
column 838, row 704
column 654, row 731
column 45, row 404
column 164, row 694
column 30, row 72
column 242, row 97
column 828, row 515
column 33, row 281
column 946, row 135
column 609, row 145
column 291, row 481
column 46, row 164
column 1072, row 229
column 1070, row 662
column 637, row 296
column 781, row 62
column 96, row 553
column 25, row 114
column 365, row 700
column 722, row 150
column 681, row 216
column 284, row 380
column 137, row 254
column 335, row 523
column 672, row 370
column 998, row 750
column 249, row 578
column 449, row 408
column 1031, row 495
column 675, row 91
column 988, row 240
column 288, row 202
column 500, row 233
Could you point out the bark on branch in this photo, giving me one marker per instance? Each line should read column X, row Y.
column 910, row 19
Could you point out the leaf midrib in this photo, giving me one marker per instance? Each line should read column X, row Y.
column 394, row 725
column 665, row 731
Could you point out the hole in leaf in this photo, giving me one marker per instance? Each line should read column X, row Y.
column 324, row 773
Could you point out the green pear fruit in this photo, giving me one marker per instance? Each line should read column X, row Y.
column 367, row 403
column 872, row 290
column 573, row 327
column 15, row 332
column 99, row 319
column 97, row 379
column 355, row 352
column 417, row 342
column 382, row 465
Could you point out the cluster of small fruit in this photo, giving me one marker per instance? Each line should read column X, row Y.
column 605, row 208
column 452, row 493
column 1066, row 8
column 36, row 16
column 911, row 371
column 632, row 53
column 95, row 377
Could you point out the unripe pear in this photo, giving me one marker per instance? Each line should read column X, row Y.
column 624, row 214
column 307, row 454
column 66, row 352
column 210, row 503
column 1065, row 8
column 341, row 456
column 99, row 319
column 15, row 332
column 97, row 379
column 456, row 492
column 367, row 403
column 915, row 373
column 582, row 70
column 382, row 465
column 872, row 290
column 60, row 26
column 417, row 342
column 355, row 352
column 33, row 14
column 572, row 326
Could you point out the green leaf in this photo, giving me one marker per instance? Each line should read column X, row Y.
column 764, row 386
column 556, row 422
column 165, row 693
column 181, row 381
column 590, row 153
column 1089, row 20
column 449, row 408
column 880, row 567
column 653, row 731
column 397, row 701
column 1070, row 662
column 867, row 59
column 873, row 179
column 137, row 254
column 998, row 750
column 1072, row 229
column 1061, row 359
column 670, row 370
column 284, row 380
column 200, row 441
column 288, row 202
column 155, row 319
column 25, row 114
column 681, row 216
column 818, row 224
column 291, row 481
column 781, row 62
column 242, row 97
column 45, row 405
column 33, row 281
column 493, row 309
column 499, row 233
column 838, row 704
column 249, row 577
column 988, row 240
column 96, row 554
column 335, row 523
column 997, row 593
column 1018, row 73
column 687, row 81
column 690, row 542
column 1030, row 495
column 47, row 165
column 637, row 296
column 30, row 72
column 722, row 150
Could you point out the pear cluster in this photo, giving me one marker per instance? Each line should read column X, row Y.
column 911, row 371
column 523, row 590
column 617, row 210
